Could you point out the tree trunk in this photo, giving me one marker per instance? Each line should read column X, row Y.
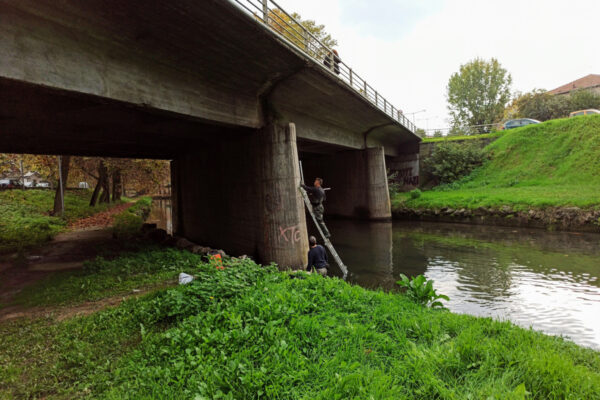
column 105, row 196
column 102, row 177
column 117, row 188
column 58, row 196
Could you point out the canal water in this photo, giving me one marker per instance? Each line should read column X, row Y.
column 160, row 214
column 549, row 281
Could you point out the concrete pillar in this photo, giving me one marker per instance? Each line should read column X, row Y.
column 240, row 194
column 358, row 183
column 284, row 236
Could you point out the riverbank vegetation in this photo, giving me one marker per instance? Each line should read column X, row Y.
column 128, row 223
column 25, row 218
column 553, row 164
column 252, row 332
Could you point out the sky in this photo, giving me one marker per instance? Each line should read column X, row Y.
column 408, row 49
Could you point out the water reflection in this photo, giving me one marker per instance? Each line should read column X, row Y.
column 161, row 214
column 549, row 281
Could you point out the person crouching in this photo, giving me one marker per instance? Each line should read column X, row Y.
column 317, row 257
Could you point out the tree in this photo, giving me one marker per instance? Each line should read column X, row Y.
column 478, row 93
column 59, row 195
column 288, row 28
column 541, row 105
column 583, row 99
column 538, row 104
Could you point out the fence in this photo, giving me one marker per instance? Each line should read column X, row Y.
column 279, row 21
column 463, row 130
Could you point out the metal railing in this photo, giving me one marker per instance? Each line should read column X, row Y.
column 463, row 130
column 283, row 24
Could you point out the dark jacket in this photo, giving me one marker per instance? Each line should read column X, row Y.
column 317, row 194
column 317, row 257
column 332, row 61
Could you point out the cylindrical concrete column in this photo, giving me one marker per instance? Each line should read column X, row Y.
column 378, row 195
column 358, row 181
column 240, row 194
column 284, row 235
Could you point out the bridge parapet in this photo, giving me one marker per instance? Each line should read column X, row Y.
column 284, row 25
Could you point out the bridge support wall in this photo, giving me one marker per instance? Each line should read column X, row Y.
column 358, row 183
column 241, row 195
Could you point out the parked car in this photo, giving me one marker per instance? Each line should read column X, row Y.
column 43, row 184
column 517, row 123
column 589, row 111
column 9, row 183
column 84, row 185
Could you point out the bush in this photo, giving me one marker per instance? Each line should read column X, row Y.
column 393, row 185
column 451, row 161
column 415, row 194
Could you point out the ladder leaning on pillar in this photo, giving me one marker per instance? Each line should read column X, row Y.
column 326, row 241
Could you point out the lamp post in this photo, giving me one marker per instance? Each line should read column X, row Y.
column 413, row 114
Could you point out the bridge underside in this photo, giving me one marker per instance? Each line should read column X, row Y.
column 204, row 85
column 234, row 187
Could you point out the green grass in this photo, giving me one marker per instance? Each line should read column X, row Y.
column 107, row 276
column 128, row 223
column 463, row 137
column 555, row 163
column 25, row 219
column 252, row 332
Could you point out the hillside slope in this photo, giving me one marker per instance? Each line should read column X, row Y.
column 556, row 163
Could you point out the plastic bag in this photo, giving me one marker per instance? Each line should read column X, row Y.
column 184, row 278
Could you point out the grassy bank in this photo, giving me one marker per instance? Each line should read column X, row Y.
column 128, row 223
column 25, row 219
column 555, row 163
column 252, row 332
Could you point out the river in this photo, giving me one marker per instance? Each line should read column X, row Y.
column 549, row 281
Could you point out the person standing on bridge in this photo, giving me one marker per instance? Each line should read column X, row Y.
column 317, row 257
column 317, row 196
column 332, row 61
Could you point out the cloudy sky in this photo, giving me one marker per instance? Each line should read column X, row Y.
column 407, row 49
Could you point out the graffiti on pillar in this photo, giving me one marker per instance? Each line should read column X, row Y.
column 290, row 234
column 407, row 177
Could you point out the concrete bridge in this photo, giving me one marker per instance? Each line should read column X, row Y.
column 208, row 85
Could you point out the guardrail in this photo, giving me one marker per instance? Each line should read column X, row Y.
column 463, row 130
column 283, row 24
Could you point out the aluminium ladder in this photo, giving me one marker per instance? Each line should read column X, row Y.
column 326, row 241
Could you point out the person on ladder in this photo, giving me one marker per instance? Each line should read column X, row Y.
column 317, row 196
